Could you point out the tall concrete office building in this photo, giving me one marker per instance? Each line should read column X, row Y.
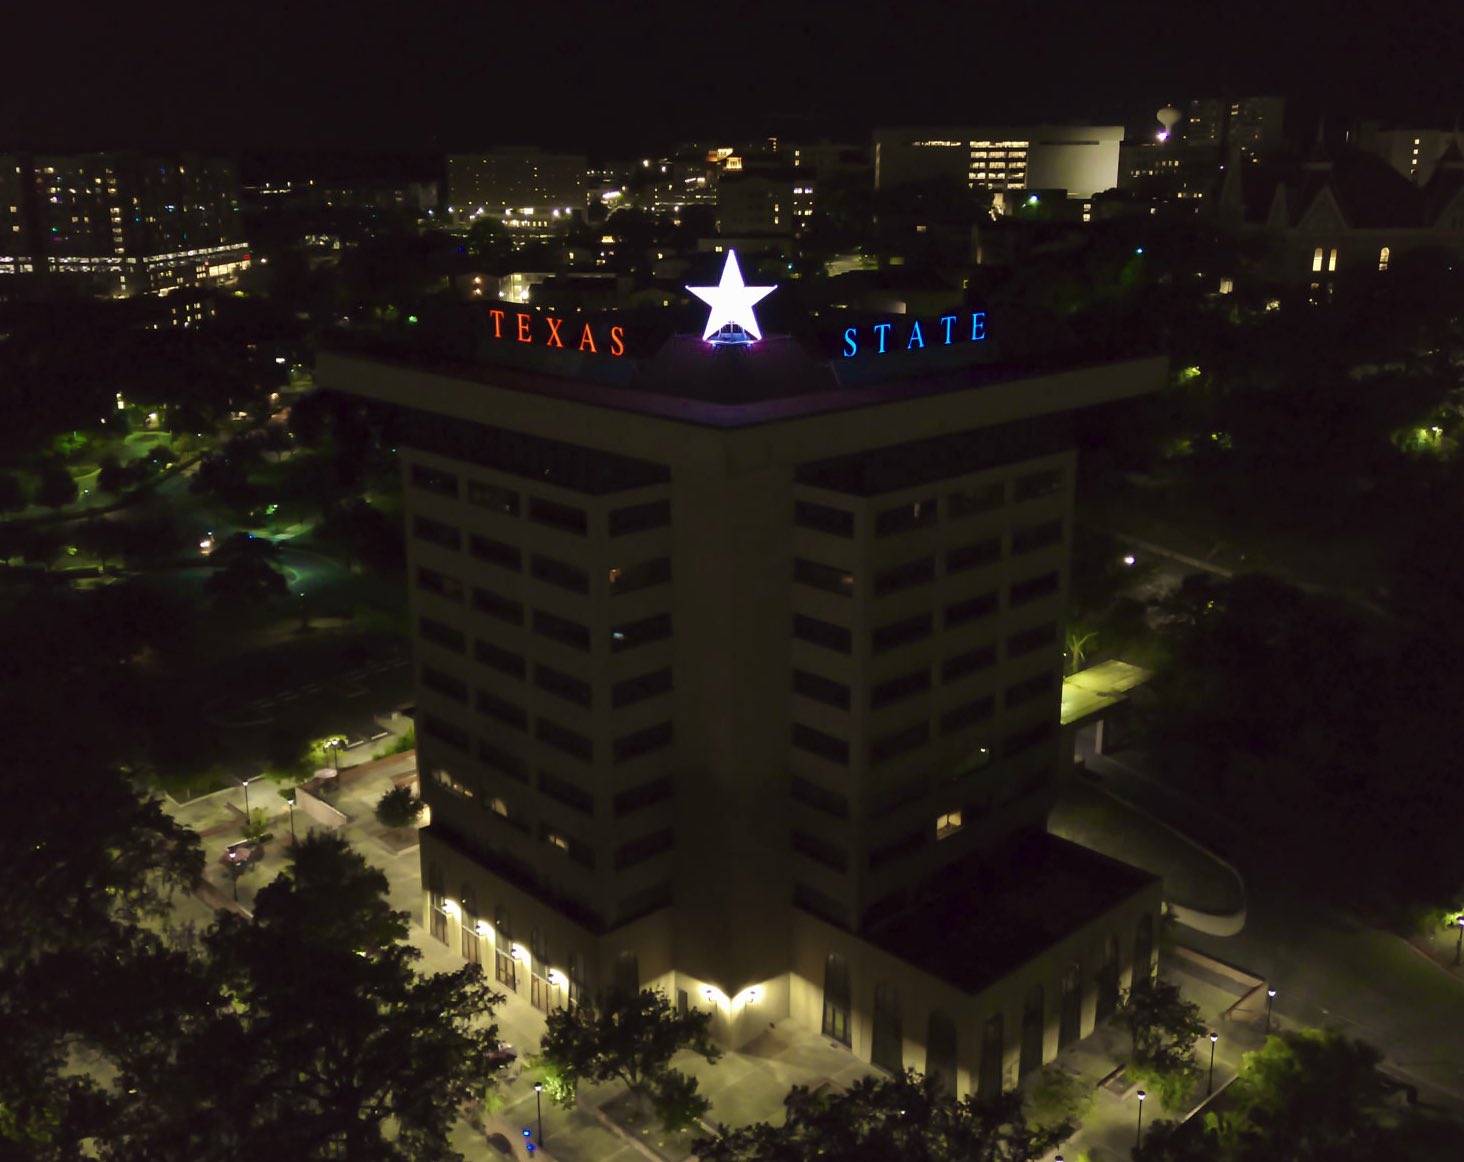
column 1081, row 159
column 738, row 675
column 515, row 178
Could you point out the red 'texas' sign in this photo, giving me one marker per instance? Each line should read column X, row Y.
column 550, row 331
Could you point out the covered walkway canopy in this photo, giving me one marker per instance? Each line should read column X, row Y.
column 1087, row 694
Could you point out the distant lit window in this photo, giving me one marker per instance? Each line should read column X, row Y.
column 947, row 824
column 1383, row 256
column 1332, row 260
column 1317, row 256
column 1227, row 286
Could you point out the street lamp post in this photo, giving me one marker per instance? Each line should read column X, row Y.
column 1139, row 1132
column 1210, row 1085
column 1270, row 999
column 1459, row 944
column 539, row 1108
column 245, row 784
column 293, row 841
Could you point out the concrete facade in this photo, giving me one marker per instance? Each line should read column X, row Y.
column 709, row 690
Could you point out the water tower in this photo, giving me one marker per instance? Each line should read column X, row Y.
column 1168, row 117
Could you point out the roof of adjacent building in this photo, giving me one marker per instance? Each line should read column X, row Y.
column 997, row 914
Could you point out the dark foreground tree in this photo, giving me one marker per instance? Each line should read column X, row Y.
column 909, row 1116
column 398, row 807
column 631, row 1038
column 321, row 1039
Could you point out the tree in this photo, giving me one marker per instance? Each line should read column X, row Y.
column 1306, row 1096
column 398, row 807
column 1163, row 1027
column 631, row 1038
column 909, row 1116
column 12, row 493
column 57, row 488
column 321, row 1041
column 113, row 476
column 246, row 580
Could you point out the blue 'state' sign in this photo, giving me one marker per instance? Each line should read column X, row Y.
column 914, row 334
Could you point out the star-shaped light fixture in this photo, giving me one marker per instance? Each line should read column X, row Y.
column 731, row 301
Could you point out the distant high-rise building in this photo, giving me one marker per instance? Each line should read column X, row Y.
column 1414, row 153
column 764, row 199
column 1254, row 126
column 1081, row 159
column 120, row 223
column 516, row 178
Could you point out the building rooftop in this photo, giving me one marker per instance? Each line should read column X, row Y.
column 1089, row 692
column 1000, row 912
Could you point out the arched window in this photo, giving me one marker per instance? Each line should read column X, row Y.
column 1144, row 949
column 887, row 1048
column 1070, row 1014
column 1107, row 980
column 626, row 977
column 1034, row 1029
column 836, row 998
column 1332, row 260
column 437, row 897
column 472, row 945
column 1385, row 255
column 505, row 971
column 575, row 969
column 541, row 990
column 1317, row 256
column 940, row 1050
column 993, row 1048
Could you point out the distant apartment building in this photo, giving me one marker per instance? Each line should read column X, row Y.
column 516, row 179
column 738, row 674
column 119, row 224
column 1414, row 153
column 1250, row 126
column 1081, row 159
column 766, row 199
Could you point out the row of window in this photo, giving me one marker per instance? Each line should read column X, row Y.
column 566, row 517
column 619, row 581
column 562, row 791
column 922, row 513
column 892, row 635
column 505, row 713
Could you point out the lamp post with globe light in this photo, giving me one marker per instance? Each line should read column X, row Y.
column 1459, row 944
column 1139, row 1132
column 1210, row 1085
column 1270, row 1000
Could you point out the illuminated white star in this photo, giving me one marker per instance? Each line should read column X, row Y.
column 731, row 300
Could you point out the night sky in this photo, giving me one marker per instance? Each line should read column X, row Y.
column 611, row 77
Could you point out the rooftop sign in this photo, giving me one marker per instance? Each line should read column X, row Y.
column 545, row 329
column 902, row 333
column 731, row 319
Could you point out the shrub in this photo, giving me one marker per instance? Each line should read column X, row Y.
column 398, row 808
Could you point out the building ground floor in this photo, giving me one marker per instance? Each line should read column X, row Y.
column 980, row 984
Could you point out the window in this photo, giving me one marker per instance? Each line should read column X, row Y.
column 905, row 576
column 562, row 685
column 829, row 854
column 947, row 823
column 640, row 797
column 495, row 605
column 642, row 849
column 640, row 742
column 577, row 850
column 826, row 746
column 431, row 581
column 1034, row 537
column 639, row 517
column 897, row 849
column 559, row 629
column 967, row 714
column 1332, row 260
column 566, row 793
column 970, row 609
column 899, row 633
column 983, row 498
column 437, row 533
column 812, row 795
column 898, row 688
column 1031, row 639
column 643, row 903
column 570, row 577
column 496, row 658
column 986, row 552
column 969, row 662
column 453, row 784
column 1022, row 740
column 904, row 517
column 1037, row 484
column 829, row 578
column 822, row 518
column 434, row 480
column 1317, row 259
column 444, row 684
column 1028, row 690
column 1032, row 589
column 561, row 737
column 440, row 635
column 1384, row 256
column 638, row 689
column 639, row 633
column 496, row 553
column 821, row 689
column 493, row 497
column 501, row 710
column 900, row 742
column 502, row 761
column 434, row 727
column 644, row 575
column 560, row 516
column 822, row 633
